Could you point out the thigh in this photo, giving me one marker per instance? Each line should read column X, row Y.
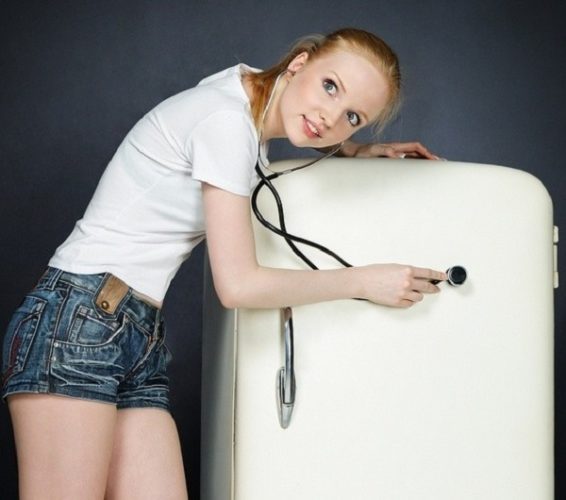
column 63, row 444
column 146, row 460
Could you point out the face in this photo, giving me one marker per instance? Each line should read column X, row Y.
column 328, row 98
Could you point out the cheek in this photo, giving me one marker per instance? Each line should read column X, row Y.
column 302, row 94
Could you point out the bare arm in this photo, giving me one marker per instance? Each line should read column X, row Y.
column 241, row 282
column 391, row 150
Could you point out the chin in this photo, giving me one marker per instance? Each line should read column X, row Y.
column 297, row 138
column 301, row 142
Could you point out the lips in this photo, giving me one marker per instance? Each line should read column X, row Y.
column 310, row 129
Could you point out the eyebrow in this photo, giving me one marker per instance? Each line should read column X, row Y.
column 341, row 83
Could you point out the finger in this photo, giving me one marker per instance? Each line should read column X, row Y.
column 425, row 286
column 417, row 147
column 390, row 152
column 404, row 304
column 415, row 150
column 396, row 150
column 429, row 274
column 414, row 296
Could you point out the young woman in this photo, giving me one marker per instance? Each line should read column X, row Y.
column 84, row 357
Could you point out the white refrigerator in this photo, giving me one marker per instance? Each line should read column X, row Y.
column 451, row 399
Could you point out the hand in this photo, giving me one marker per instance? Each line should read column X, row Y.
column 390, row 150
column 398, row 285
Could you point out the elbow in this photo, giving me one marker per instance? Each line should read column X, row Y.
column 228, row 300
column 231, row 296
column 237, row 286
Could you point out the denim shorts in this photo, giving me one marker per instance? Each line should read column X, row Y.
column 60, row 341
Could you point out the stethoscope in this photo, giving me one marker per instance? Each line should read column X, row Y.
column 457, row 275
column 290, row 239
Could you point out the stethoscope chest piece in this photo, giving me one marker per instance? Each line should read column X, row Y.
column 457, row 275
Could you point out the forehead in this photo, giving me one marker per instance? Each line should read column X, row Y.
column 364, row 83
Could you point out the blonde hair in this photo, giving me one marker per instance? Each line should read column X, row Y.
column 362, row 42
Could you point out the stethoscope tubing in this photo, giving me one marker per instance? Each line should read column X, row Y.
column 290, row 239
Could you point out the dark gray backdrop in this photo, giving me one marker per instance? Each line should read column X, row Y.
column 483, row 82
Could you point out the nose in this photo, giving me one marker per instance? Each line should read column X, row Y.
column 330, row 115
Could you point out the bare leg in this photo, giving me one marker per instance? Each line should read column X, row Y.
column 146, row 462
column 64, row 446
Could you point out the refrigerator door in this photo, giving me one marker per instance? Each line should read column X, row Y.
column 450, row 399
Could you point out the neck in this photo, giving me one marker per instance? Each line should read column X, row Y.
column 270, row 126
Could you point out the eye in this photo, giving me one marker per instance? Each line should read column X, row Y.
column 330, row 87
column 353, row 118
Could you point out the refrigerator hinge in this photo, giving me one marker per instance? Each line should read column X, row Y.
column 555, row 273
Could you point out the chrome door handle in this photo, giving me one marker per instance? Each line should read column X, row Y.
column 286, row 386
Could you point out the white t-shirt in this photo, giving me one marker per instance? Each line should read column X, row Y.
column 146, row 214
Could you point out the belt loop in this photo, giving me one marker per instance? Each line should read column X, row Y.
column 50, row 278
column 158, row 326
column 111, row 293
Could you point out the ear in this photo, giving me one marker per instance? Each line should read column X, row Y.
column 298, row 62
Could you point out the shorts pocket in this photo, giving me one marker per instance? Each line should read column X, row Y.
column 20, row 334
column 87, row 328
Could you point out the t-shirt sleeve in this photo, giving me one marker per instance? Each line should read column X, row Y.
column 222, row 149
